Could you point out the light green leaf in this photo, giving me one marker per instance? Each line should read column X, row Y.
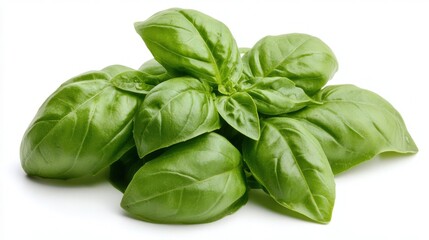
column 114, row 70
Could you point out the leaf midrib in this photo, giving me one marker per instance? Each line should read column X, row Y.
column 297, row 164
column 341, row 101
column 185, row 91
column 212, row 58
column 286, row 57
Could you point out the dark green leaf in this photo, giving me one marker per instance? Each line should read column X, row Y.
column 200, row 180
column 122, row 171
column 353, row 125
column 291, row 166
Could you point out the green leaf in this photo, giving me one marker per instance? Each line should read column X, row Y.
column 291, row 166
column 174, row 111
column 132, row 81
column 190, row 42
column 304, row 59
column 114, row 70
column 353, row 125
column 197, row 181
column 243, row 50
column 88, row 76
column 70, row 136
column 155, row 72
column 239, row 111
column 122, row 171
column 276, row 95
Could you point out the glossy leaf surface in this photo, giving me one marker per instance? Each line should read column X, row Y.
column 276, row 95
column 302, row 58
column 239, row 111
column 174, row 111
column 132, row 81
column 190, row 42
column 70, row 137
column 200, row 180
column 353, row 125
column 291, row 165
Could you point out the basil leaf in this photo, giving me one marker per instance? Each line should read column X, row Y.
column 88, row 76
column 239, row 111
column 353, row 125
column 277, row 95
column 174, row 111
column 122, row 171
column 291, row 166
column 114, row 70
column 70, row 137
column 155, row 72
column 304, row 59
column 243, row 50
column 190, row 42
column 200, row 180
column 132, row 81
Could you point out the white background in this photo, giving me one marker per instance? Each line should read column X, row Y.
column 380, row 45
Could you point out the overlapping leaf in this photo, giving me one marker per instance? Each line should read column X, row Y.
column 276, row 95
column 190, row 42
column 200, row 180
column 70, row 137
column 353, row 125
column 302, row 58
column 291, row 165
column 174, row 111
column 239, row 111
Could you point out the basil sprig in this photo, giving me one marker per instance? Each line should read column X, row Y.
column 193, row 130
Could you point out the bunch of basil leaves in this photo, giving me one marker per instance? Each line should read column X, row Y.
column 192, row 130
